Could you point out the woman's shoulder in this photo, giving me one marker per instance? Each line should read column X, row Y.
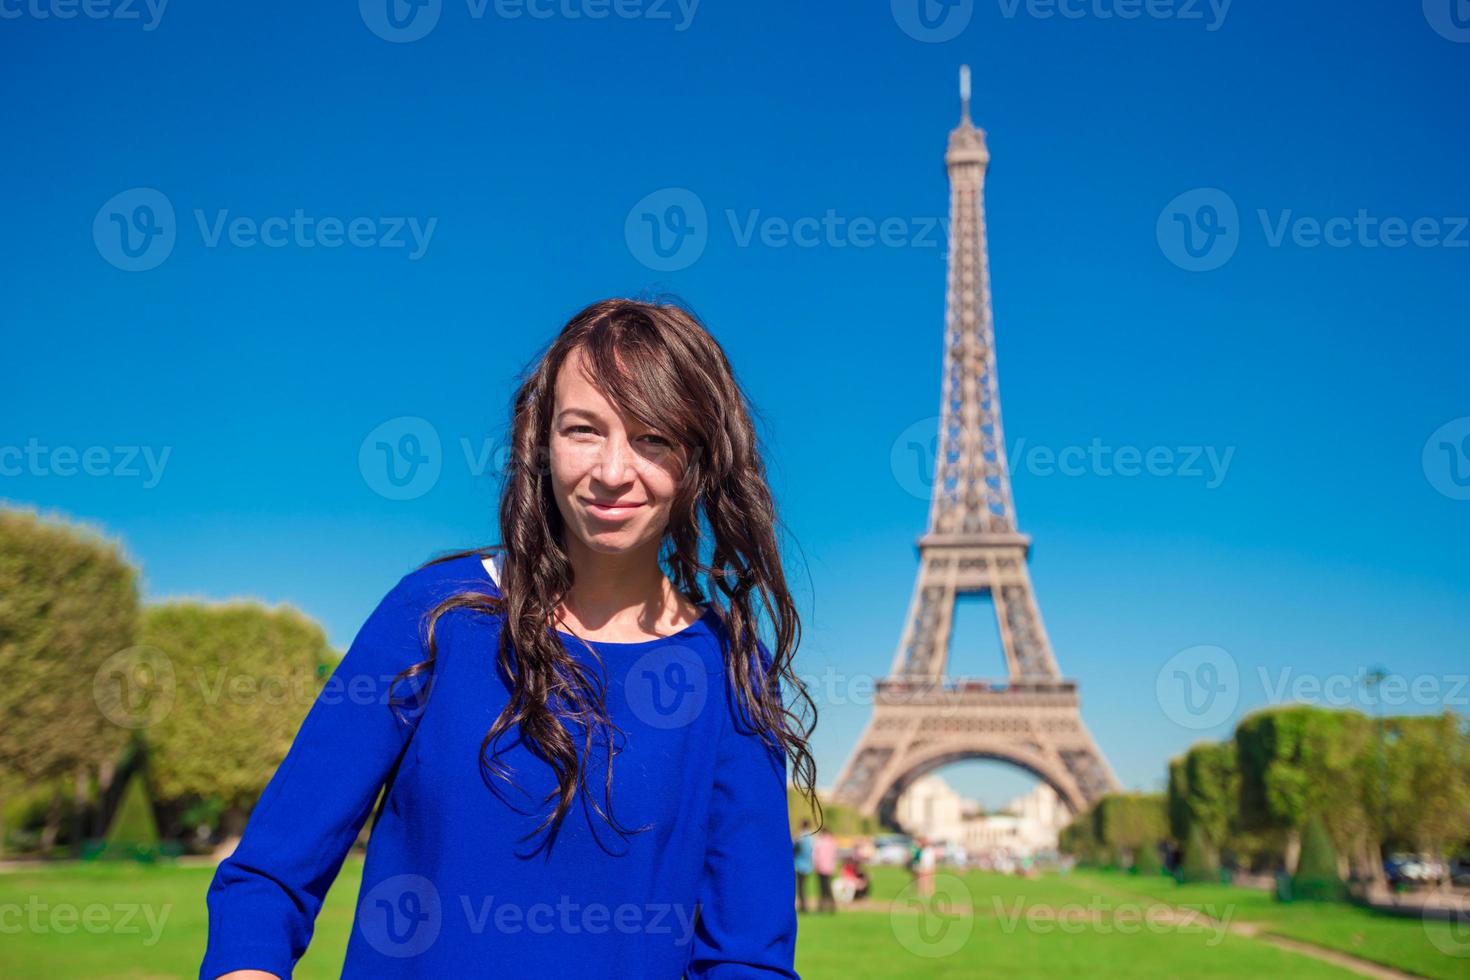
column 469, row 569
column 425, row 586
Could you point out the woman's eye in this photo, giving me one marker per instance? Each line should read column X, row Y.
column 578, row 429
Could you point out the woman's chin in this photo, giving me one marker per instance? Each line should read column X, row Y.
column 610, row 541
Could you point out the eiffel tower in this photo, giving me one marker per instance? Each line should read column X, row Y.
column 921, row 718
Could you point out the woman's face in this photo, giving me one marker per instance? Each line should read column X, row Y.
column 599, row 458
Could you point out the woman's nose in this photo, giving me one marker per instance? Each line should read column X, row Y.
column 613, row 462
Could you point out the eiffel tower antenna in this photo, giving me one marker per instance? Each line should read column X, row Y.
column 922, row 718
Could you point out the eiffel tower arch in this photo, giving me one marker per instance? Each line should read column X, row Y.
column 922, row 718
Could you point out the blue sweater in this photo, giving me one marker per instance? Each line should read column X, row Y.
column 449, row 888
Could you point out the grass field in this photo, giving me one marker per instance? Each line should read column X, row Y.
column 1432, row 949
column 139, row 922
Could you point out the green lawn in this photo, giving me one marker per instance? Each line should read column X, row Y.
column 1409, row 944
column 140, row 922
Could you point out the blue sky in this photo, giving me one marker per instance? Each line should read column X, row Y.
column 1326, row 381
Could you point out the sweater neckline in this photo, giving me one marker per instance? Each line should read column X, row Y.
column 704, row 623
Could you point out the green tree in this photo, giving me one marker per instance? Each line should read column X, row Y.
column 1316, row 878
column 1300, row 759
column 246, row 677
column 834, row 816
column 134, row 831
column 1078, row 840
column 68, row 616
column 1115, row 826
column 1146, row 861
column 1199, row 863
column 1125, row 821
column 1428, row 774
column 1204, row 792
column 1176, row 796
column 1214, row 790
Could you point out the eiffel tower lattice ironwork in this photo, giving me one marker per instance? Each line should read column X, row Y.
column 921, row 718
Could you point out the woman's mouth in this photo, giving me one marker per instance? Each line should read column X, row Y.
column 611, row 511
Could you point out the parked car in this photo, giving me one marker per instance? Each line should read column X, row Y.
column 892, row 849
column 953, row 854
column 1413, row 869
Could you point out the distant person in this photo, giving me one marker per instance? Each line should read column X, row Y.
column 924, row 864
column 824, row 862
column 852, row 870
column 801, row 852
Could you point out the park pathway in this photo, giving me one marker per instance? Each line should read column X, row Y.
column 1251, row 930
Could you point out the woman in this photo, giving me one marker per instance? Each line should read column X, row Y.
column 485, row 680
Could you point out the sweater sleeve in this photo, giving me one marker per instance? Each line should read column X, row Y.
column 264, row 899
column 747, row 916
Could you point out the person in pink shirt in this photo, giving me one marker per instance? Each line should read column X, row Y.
column 824, row 863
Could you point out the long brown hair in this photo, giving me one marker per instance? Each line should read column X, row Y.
column 655, row 362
